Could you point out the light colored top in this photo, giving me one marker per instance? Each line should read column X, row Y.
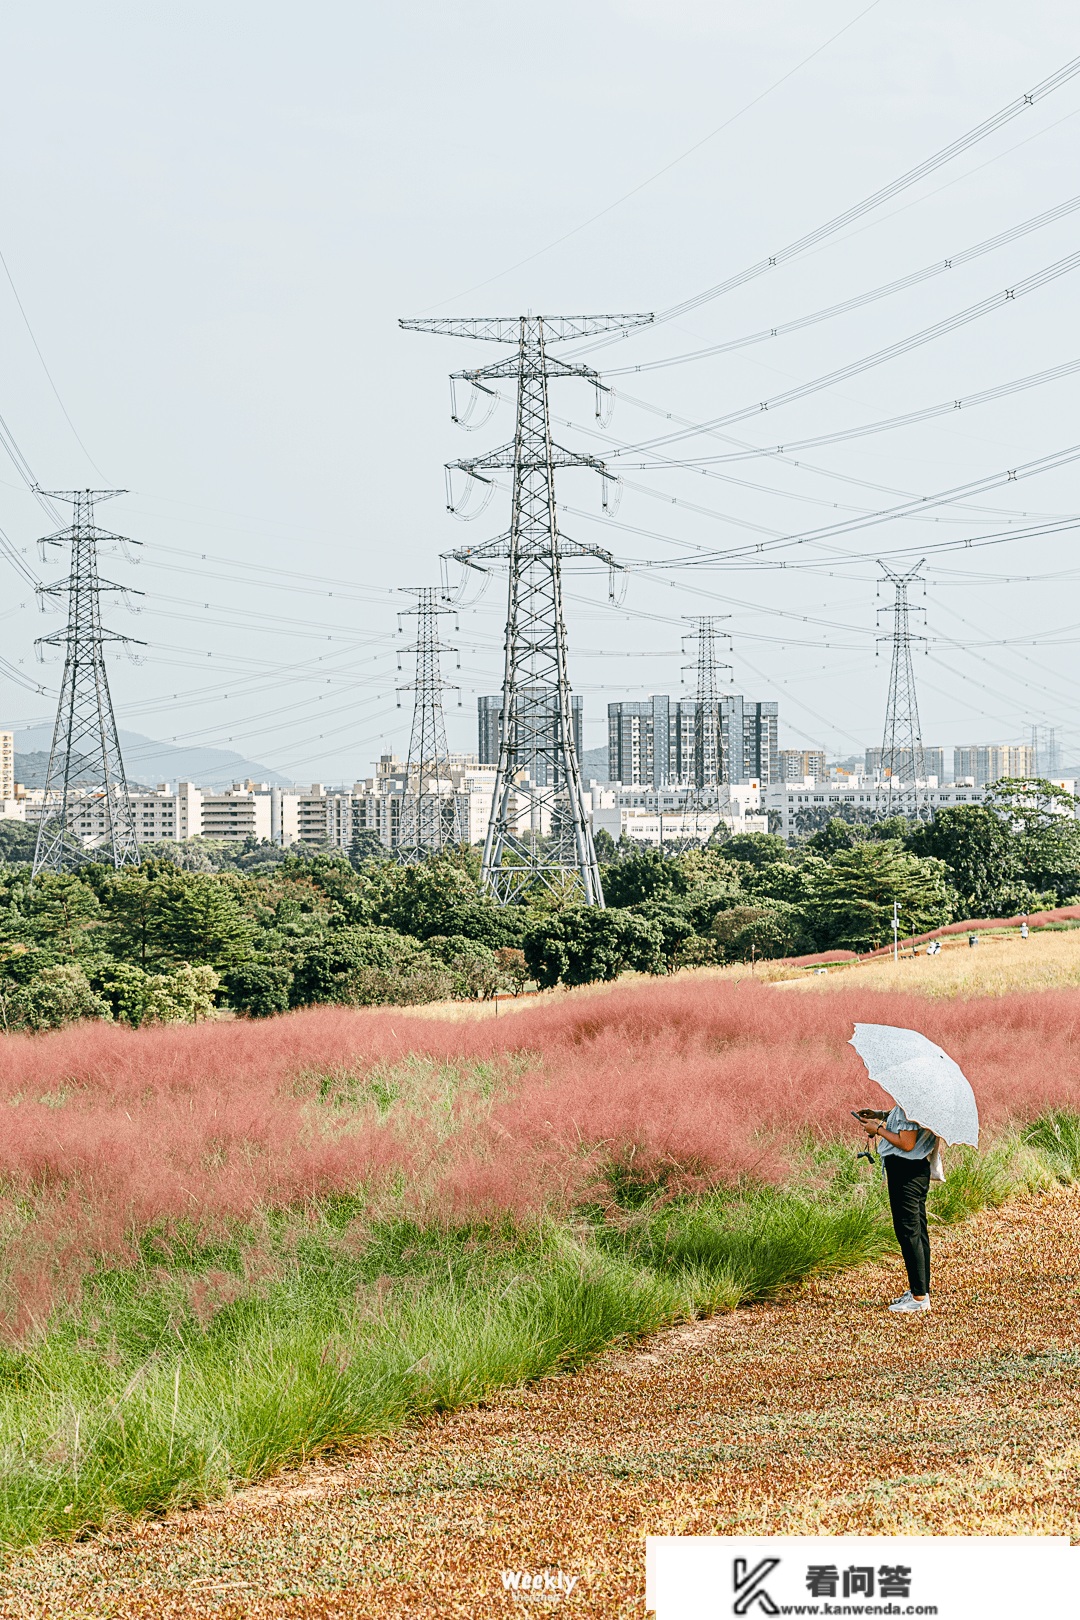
column 897, row 1121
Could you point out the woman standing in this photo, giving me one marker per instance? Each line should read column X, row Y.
column 906, row 1149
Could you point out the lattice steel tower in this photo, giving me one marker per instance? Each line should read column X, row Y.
column 538, row 833
column 710, row 765
column 85, row 784
column 427, row 811
column 903, row 761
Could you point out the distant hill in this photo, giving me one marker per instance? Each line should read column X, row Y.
column 146, row 761
column 31, row 770
column 594, row 764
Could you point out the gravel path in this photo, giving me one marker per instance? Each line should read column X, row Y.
column 820, row 1415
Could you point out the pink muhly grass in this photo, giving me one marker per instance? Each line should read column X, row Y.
column 109, row 1132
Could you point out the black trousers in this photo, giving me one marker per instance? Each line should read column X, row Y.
column 909, row 1183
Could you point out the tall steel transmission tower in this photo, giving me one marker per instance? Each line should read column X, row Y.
column 538, row 834
column 85, row 789
column 710, row 766
column 903, row 761
column 427, row 810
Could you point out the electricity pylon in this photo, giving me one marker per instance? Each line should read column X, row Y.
column 427, row 810
column 85, row 787
column 538, row 834
column 903, row 760
column 710, row 766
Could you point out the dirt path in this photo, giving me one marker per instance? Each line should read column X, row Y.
column 820, row 1415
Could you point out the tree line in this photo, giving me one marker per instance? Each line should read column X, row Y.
column 259, row 930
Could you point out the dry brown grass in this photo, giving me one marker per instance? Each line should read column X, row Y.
column 998, row 964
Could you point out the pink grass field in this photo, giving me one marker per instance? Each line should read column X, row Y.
column 106, row 1131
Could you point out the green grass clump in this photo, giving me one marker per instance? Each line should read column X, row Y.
column 1056, row 1137
column 204, row 1368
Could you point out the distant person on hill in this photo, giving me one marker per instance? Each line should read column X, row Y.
column 906, row 1150
column 1023, row 930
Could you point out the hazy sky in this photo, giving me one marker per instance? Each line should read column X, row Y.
column 214, row 216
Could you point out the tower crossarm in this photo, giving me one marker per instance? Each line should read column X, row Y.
column 507, row 328
column 508, row 368
column 507, row 456
column 502, row 550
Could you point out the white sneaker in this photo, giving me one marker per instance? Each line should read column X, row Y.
column 901, row 1299
column 910, row 1304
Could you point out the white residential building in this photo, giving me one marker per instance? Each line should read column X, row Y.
column 652, row 815
column 866, row 794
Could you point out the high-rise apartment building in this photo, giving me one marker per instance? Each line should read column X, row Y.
column 989, row 762
column 534, row 701
column 933, row 762
column 652, row 743
column 797, row 764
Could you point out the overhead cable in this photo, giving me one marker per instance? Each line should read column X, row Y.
column 965, row 402
column 945, row 155
column 855, row 368
column 916, row 277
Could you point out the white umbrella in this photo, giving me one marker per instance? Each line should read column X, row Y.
column 930, row 1088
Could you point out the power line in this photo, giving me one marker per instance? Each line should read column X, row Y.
column 925, row 414
column 860, row 300
column 892, row 351
column 919, row 172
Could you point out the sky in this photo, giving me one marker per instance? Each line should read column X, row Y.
column 214, row 217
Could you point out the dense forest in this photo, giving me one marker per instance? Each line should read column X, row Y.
column 258, row 929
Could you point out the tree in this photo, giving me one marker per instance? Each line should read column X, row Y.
column 132, row 904
column 1041, row 819
column 757, row 849
column 17, row 842
column 990, row 864
column 852, row 895
column 644, row 875
column 56, row 996
column 259, row 986
column 367, row 846
column 363, row 967
column 762, row 931
column 585, row 945
column 201, row 921
column 604, row 845
column 181, row 997
column 835, row 834
column 60, row 910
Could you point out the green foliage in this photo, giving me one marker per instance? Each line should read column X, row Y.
column 202, row 1368
column 1056, row 1136
column 583, row 946
column 767, row 930
column 836, row 834
column 604, row 845
column 645, row 875
column 260, row 986
column 200, row 918
column 54, row 997
column 994, row 865
column 474, row 967
column 366, row 967
column 17, row 842
column 757, row 849
column 852, row 896
column 367, row 846
column 182, row 996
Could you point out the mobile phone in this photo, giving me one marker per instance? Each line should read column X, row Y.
column 859, row 1117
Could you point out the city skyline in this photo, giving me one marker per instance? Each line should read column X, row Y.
column 236, row 282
